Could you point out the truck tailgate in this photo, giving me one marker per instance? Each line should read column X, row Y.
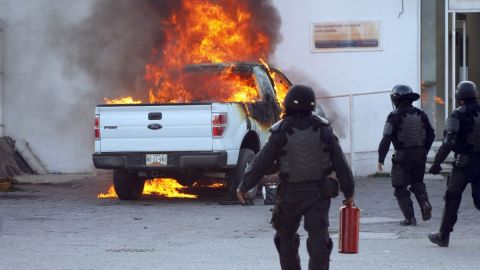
column 154, row 128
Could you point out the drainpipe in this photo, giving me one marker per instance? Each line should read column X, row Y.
column 1, row 81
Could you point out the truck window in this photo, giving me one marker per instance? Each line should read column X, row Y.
column 227, row 85
column 281, row 83
column 263, row 82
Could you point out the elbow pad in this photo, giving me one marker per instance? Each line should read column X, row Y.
column 450, row 139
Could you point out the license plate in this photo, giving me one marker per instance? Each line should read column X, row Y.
column 160, row 160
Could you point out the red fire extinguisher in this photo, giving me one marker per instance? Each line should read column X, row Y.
column 348, row 236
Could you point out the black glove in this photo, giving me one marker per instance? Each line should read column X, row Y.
column 435, row 169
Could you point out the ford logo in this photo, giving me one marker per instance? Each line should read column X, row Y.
column 155, row 126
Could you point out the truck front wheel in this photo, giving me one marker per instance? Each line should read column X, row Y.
column 128, row 185
column 236, row 175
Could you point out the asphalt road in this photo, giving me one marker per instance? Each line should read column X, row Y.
column 64, row 226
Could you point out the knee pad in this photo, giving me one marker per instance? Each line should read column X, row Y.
column 296, row 240
column 476, row 200
column 452, row 196
column 330, row 244
column 401, row 192
column 418, row 188
column 276, row 240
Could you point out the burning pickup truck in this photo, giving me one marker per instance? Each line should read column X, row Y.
column 211, row 131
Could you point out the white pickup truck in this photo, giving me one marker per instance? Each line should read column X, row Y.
column 205, row 139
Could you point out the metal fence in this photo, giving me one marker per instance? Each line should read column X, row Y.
column 351, row 118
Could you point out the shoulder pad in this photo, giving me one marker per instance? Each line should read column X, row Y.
column 396, row 111
column 452, row 125
column 276, row 127
column 418, row 110
column 388, row 129
column 393, row 116
column 322, row 120
column 462, row 109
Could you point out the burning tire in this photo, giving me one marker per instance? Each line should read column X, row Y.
column 128, row 185
column 236, row 175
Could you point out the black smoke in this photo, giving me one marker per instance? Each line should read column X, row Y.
column 113, row 44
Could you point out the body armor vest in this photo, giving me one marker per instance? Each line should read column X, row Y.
column 471, row 132
column 473, row 138
column 411, row 131
column 306, row 156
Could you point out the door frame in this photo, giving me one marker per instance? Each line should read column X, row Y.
column 450, row 65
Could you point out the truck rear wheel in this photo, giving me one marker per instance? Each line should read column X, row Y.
column 236, row 175
column 128, row 185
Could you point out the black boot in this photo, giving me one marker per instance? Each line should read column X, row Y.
column 422, row 199
column 409, row 222
column 440, row 239
column 406, row 206
column 449, row 218
column 425, row 206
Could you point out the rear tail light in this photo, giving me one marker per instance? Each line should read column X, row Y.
column 219, row 124
column 97, row 127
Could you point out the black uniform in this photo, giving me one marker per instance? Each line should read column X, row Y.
column 305, row 151
column 412, row 135
column 462, row 136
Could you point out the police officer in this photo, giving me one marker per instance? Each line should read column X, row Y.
column 306, row 151
column 409, row 129
column 462, row 136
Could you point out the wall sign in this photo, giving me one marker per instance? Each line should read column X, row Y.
column 346, row 36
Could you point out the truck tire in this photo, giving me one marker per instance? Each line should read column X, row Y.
column 128, row 185
column 236, row 174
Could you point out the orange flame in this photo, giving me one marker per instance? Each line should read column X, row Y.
column 213, row 185
column 164, row 187
column 216, row 185
column 281, row 88
column 439, row 100
column 122, row 100
column 206, row 32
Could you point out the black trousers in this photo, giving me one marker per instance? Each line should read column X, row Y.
column 294, row 202
column 408, row 170
column 456, row 184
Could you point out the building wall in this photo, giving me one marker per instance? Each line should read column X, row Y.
column 41, row 101
column 48, row 105
column 354, row 72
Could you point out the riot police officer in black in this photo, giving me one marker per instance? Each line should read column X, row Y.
column 412, row 135
column 306, row 151
column 462, row 136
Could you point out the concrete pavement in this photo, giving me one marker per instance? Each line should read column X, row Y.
column 64, row 226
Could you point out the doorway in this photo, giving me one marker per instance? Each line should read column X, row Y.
column 464, row 54
column 450, row 53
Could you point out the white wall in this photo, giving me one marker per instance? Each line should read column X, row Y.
column 42, row 103
column 354, row 72
column 50, row 107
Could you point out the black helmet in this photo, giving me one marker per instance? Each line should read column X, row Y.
column 466, row 90
column 300, row 98
column 401, row 92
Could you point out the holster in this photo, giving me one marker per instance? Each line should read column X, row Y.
column 462, row 160
column 330, row 187
column 275, row 221
column 398, row 157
